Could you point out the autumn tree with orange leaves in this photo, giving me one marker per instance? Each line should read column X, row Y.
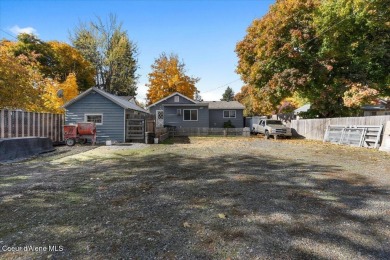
column 17, row 77
column 167, row 77
column 334, row 54
column 70, row 61
column 33, row 71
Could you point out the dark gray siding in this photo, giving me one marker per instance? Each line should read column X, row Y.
column 217, row 120
column 94, row 103
column 170, row 100
column 172, row 118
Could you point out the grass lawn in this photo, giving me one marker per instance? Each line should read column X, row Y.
column 199, row 198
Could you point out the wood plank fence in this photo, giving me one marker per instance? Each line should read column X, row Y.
column 205, row 131
column 314, row 129
column 15, row 123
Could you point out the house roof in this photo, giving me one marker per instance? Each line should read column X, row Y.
column 200, row 104
column 115, row 99
column 128, row 98
column 210, row 104
column 374, row 107
column 163, row 99
column 381, row 104
column 225, row 105
column 303, row 108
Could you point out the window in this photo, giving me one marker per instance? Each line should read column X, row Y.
column 94, row 118
column 229, row 114
column 177, row 99
column 190, row 114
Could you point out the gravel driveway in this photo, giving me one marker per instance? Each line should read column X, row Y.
column 199, row 198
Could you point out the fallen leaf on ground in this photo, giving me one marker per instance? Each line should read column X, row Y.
column 186, row 224
column 221, row 215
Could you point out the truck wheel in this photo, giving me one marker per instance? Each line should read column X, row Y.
column 266, row 134
column 70, row 142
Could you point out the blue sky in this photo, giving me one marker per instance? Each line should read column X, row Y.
column 203, row 33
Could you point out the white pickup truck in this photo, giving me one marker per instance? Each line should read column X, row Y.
column 270, row 127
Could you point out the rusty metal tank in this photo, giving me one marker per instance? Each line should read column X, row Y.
column 86, row 128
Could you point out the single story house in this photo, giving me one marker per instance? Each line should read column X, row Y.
column 109, row 112
column 380, row 108
column 177, row 110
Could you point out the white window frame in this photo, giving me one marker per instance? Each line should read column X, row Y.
column 93, row 114
column 235, row 114
column 176, row 99
column 197, row 114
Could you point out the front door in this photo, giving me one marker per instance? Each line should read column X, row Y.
column 160, row 118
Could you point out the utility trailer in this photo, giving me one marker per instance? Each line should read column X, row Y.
column 79, row 133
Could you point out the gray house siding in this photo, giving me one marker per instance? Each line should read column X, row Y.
column 217, row 119
column 170, row 100
column 172, row 118
column 94, row 103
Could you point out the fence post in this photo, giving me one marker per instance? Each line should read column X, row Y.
column 2, row 126
column 28, row 124
column 47, row 126
column 9, row 123
column 33, row 132
column 16, row 124
column 37, row 123
column 23, row 123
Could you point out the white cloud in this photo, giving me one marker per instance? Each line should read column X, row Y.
column 212, row 95
column 17, row 30
column 141, row 92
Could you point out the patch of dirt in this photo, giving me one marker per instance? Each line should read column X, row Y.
column 199, row 198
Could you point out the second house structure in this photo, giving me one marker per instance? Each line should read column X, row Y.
column 179, row 111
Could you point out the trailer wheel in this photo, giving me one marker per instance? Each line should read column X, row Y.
column 70, row 142
column 83, row 140
column 266, row 134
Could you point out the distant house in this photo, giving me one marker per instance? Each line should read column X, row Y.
column 301, row 109
column 109, row 112
column 380, row 108
column 178, row 110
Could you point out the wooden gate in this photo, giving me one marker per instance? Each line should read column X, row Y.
column 135, row 130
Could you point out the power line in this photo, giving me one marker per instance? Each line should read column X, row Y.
column 224, row 85
column 300, row 46
column 8, row 34
column 303, row 44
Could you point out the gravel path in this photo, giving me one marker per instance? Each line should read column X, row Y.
column 200, row 198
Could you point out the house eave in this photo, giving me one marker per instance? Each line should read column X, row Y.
column 104, row 94
column 163, row 99
column 227, row 108
column 185, row 105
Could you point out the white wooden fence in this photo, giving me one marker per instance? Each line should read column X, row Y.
column 315, row 128
column 14, row 123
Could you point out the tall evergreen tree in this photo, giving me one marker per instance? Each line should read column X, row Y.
column 228, row 95
column 108, row 47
